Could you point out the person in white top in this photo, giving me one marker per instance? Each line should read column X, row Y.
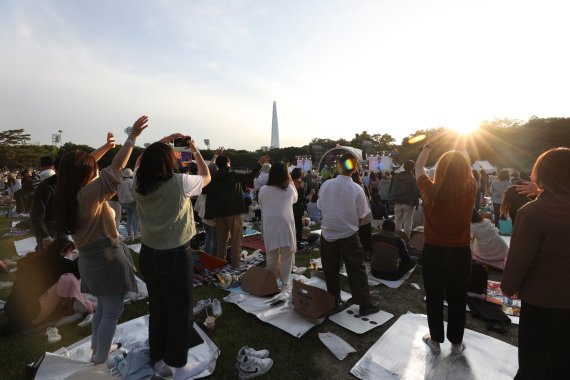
column 276, row 200
column 486, row 241
column 343, row 205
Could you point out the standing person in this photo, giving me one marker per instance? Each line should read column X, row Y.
column 81, row 209
column 498, row 188
column 299, row 205
column 343, row 206
column 276, row 199
column 448, row 204
column 42, row 216
column 513, row 201
column 537, row 270
column 373, row 183
column 225, row 203
column 365, row 228
column 167, row 225
column 404, row 194
column 126, row 194
column 384, row 190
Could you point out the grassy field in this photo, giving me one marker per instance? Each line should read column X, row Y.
column 305, row 358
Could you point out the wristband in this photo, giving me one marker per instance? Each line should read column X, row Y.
column 427, row 146
column 130, row 141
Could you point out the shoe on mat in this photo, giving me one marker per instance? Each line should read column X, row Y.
column 431, row 344
column 201, row 306
column 216, row 307
column 251, row 367
column 457, row 349
column 369, row 309
column 247, row 351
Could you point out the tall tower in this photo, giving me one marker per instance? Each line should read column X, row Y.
column 274, row 128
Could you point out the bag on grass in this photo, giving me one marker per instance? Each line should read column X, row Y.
column 479, row 277
column 505, row 227
column 491, row 313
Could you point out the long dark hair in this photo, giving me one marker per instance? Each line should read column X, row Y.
column 76, row 169
column 278, row 175
column 157, row 166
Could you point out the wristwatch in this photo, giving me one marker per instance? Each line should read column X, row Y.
column 427, row 146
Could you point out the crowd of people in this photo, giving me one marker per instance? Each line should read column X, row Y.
column 72, row 200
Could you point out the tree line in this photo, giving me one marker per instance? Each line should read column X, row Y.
column 502, row 142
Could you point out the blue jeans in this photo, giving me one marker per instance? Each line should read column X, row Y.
column 132, row 218
column 210, row 244
column 109, row 309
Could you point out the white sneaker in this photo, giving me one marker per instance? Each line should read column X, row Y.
column 247, row 351
column 216, row 307
column 87, row 321
column 201, row 306
column 53, row 335
column 251, row 367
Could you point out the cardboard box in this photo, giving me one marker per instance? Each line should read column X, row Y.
column 259, row 282
column 417, row 240
column 311, row 301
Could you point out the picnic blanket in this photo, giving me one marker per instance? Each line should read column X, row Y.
column 400, row 353
column 66, row 362
column 208, row 276
column 510, row 306
column 253, row 242
column 281, row 316
column 372, row 281
column 496, row 264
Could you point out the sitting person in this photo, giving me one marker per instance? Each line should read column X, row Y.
column 485, row 239
column 45, row 282
column 390, row 259
column 313, row 211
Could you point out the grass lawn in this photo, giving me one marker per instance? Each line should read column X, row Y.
column 305, row 358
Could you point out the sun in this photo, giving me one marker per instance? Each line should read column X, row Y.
column 464, row 128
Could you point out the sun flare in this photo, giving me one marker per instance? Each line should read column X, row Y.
column 464, row 128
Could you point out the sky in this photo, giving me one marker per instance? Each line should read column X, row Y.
column 212, row 69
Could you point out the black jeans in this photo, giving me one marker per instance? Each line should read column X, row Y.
column 446, row 272
column 350, row 251
column 544, row 334
column 168, row 277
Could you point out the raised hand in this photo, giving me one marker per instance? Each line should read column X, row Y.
column 110, row 140
column 263, row 160
column 170, row 138
column 528, row 188
column 139, row 126
column 219, row 151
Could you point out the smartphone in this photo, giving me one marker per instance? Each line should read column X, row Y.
column 182, row 142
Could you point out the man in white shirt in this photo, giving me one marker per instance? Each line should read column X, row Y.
column 343, row 204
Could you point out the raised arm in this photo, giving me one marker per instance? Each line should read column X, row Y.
column 122, row 156
column 100, row 152
column 203, row 170
column 422, row 160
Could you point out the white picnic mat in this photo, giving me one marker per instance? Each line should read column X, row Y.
column 25, row 246
column 66, row 361
column 281, row 316
column 400, row 353
column 351, row 320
